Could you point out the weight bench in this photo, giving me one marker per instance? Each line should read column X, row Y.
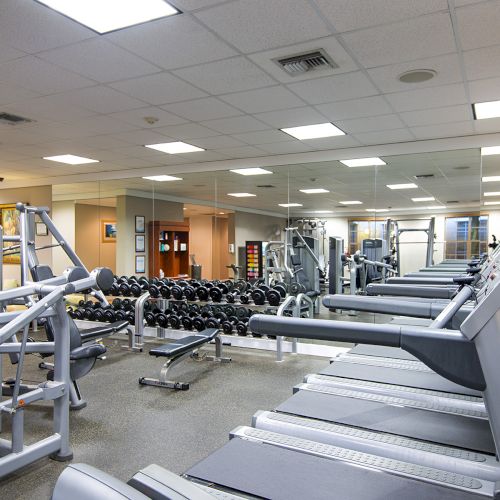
column 180, row 349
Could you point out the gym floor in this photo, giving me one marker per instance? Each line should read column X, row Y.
column 126, row 426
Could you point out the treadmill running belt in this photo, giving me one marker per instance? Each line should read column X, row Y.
column 407, row 378
column 270, row 472
column 453, row 430
column 382, row 351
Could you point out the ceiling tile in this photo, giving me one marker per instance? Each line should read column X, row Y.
column 101, row 99
column 267, row 99
column 433, row 116
column 208, row 108
column 8, row 53
column 219, row 141
column 334, row 88
column 136, row 117
column 461, row 3
column 482, row 63
column 235, row 125
column 279, row 148
column 417, row 38
column 443, row 130
column 347, row 15
column 100, row 60
column 369, row 124
column 160, row 88
column 188, row 5
column 40, row 76
column 174, row 42
column 99, row 124
column 13, row 93
column 263, row 137
column 430, row 97
column 447, row 68
column 264, row 24
column 484, row 90
column 230, row 75
column 330, row 45
column 32, row 27
column 355, row 108
column 291, row 117
column 344, row 141
column 384, row 136
column 186, row 131
column 141, row 137
column 487, row 126
column 241, row 152
column 478, row 25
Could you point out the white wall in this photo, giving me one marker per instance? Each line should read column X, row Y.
column 63, row 216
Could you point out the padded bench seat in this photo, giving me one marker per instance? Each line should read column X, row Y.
column 103, row 331
column 185, row 344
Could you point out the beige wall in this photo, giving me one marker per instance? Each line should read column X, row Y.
column 127, row 207
column 63, row 216
column 36, row 196
column 88, row 238
column 201, row 243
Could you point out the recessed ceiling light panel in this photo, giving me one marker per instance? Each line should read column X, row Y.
column 435, row 207
column 409, row 185
column 363, row 162
column 162, row 178
column 425, row 198
column 174, row 148
column 71, row 159
column 104, row 16
column 316, row 131
column 323, row 211
column 289, row 205
column 241, row 195
column 484, row 110
column 491, row 203
column 351, row 202
column 490, row 150
column 251, row 171
column 314, row 191
column 492, row 193
column 491, row 178
column 377, row 210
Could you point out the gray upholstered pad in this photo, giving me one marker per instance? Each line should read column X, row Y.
column 407, row 378
column 269, row 472
column 453, row 430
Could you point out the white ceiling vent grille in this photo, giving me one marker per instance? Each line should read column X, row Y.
column 10, row 119
column 306, row 62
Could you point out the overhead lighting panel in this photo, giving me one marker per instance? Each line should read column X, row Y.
column 174, row 148
column 162, row 178
column 425, row 198
column 491, row 203
column 317, row 131
column 70, row 159
column 351, row 202
column 492, row 193
column 490, row 109
column 323, row 211
column 435, row 207
column 241, row 195
column 491, row 178
column 377, row 209
column 104, row 16
column 314, row 191
column 251, row 171
column 410, row 185
column 363, row 162
column 290, row 205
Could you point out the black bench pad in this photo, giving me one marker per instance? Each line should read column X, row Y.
column 101, row 331
column 185, row 344
column 87, row 352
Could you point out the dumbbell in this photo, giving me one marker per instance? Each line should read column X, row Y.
column 275, row 295
column 228, row 324
column 242, row 327
column 216, row 320
column 199, row 323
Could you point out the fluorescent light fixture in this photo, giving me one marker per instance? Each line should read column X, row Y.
column 162, row 178
column 425, row 198
column 316, row 131
column 289, row 205
column 363, row 162
column 104, row 16
column 491, row 178
column 70, row 159
column 241, row 195
column 314, row 191
column 490, row 150
column 221, row 213
column 491, row 203
column 174, row 148
column 251, row 171
column 323, row 211
column 377, row 209
column 490, row 109
column 435, row 207
column 351, row 202
column 410, row 185
column 492, row 193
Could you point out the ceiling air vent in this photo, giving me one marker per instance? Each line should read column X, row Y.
column 13, row 119
column 267, row 186
column 449, row 202
column 303, row 63
column 424, row 176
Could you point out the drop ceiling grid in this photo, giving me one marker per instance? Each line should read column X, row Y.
column 100, row 101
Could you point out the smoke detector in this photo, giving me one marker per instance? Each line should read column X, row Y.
column 11, row 119
column 150, row 120
column 303, row 63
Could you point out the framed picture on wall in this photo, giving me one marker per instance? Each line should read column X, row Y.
column 140, row 263
column 108, row 228
column 140, row 223
column 9, row 220
column 41, row 229
column 140, row 243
